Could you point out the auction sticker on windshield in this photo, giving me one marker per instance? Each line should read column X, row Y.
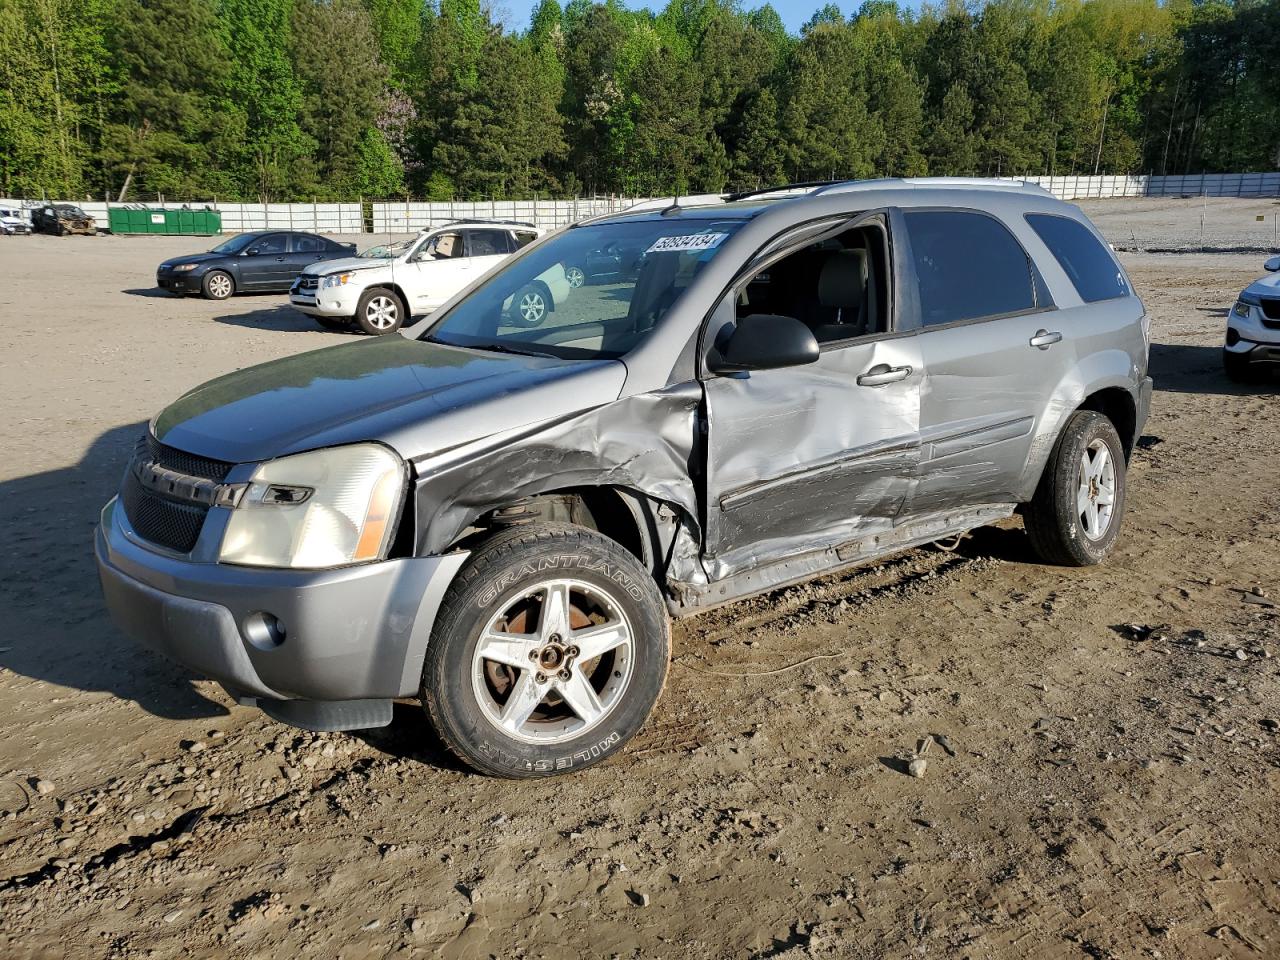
column 686, row 243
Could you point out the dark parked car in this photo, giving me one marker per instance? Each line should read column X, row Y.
column 259, row 262
column 612, row 263
column 61, row 219
column 501, row 518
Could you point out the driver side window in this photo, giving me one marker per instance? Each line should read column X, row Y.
column 273, row 243
column 837, row 287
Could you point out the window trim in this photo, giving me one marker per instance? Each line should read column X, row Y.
column 1106, row 248
column 782, row 245
column 921, row 326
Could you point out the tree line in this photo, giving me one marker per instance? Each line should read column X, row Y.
column 342, row 99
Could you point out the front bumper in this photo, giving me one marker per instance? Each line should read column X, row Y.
column 182, row 282
column 1255, row 334
column 354, row 638
column 320, row 302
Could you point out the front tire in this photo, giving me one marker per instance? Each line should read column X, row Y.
column 380, row 311
column 549, row 652
column 1074, row 518
column 218, row 285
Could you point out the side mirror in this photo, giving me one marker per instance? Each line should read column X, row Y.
column 765, row 341
column 251, row 252
column 1273, row 265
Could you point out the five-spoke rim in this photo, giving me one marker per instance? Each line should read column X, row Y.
column 1096, row 491
column 553, row 662
column 575, row 276
column 381, row 313
column 532, row 307
column 220, row 285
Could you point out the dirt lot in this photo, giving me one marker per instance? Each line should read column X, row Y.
column 1110, row 787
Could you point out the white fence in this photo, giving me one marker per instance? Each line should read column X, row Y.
column 405, row 217
column 1198, row 185
column 399, row 217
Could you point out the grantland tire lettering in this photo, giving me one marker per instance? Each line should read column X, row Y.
column 543, row 564
column 590, row 752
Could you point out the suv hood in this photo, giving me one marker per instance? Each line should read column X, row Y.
column 344, row 265
column 416, row 396
column 1268, row 286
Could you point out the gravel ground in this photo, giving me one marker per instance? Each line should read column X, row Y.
column 1103, row 761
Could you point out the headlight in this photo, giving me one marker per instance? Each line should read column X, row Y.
column 336, row 280
column 1241, row 309
column 326, row 508
column 185, row 266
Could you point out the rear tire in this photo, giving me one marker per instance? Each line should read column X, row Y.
column 217, row 285
column 1074, row 518
column 530, row 306
column 549, row 652
column 380, row 311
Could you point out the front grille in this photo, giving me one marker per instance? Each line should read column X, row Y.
column 308, row 283
column 1271, row 311
column 167, row 521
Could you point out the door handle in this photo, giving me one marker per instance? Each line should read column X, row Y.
column 279, row 259
column 881, row 374
column 1044, row 339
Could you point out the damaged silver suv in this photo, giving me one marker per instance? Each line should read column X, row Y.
column 501, row 518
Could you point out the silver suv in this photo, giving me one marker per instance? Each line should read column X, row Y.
column 501, row 518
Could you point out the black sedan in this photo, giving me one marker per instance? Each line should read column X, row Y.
column 263, row 261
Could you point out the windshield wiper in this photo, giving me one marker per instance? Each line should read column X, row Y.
column 495, row 348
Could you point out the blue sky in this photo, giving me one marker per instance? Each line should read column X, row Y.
column 516, row 13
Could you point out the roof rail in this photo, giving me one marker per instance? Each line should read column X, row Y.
column 780, row 188
column 963, row 183
column 508, row 223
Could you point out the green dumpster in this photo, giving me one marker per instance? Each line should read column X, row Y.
column 134, row 220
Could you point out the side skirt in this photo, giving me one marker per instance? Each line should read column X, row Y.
column 687, row 599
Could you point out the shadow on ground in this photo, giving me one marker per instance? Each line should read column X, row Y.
column 53, row 624
column 410, row 736
column 282, row 318
column 1185, row 368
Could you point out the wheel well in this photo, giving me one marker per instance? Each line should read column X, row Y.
column 1117, row 405
column 394, row 288
column 602, row 509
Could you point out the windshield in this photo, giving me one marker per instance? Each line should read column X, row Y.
column 69, row 210
column 589, row 292
column 385, row 251
column 235, row 244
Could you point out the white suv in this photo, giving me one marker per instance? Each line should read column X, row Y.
column 386, row 285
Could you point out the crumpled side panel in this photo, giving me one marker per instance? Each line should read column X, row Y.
column 645, row 443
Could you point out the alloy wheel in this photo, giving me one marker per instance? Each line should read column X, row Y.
column 1096, row 492
column 553, row 662
column 381, row 313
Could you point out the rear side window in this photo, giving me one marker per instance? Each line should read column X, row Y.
column 305, row 244
column 1089, row 264
column 969, row 266
column 524, row 238
column 487, row 243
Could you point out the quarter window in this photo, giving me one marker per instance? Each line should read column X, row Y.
column 969, row 266
column 305, row 244
column 1092, row 269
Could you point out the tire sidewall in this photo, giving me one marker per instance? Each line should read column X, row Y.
column 363, row 323
column 208, row 291
column 447, row 680
column 1085, row 427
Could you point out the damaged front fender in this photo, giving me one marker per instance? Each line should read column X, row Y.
column 646, row 444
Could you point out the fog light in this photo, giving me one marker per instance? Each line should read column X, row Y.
column 1233, row 336
column 264, row 630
